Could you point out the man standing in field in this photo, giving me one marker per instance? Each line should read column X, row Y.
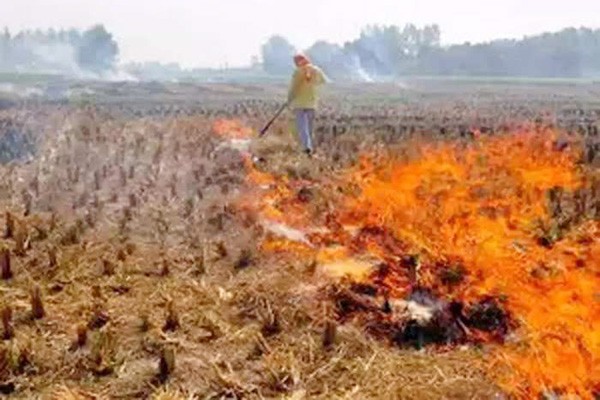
column 303, row 98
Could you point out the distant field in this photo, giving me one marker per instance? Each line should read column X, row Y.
column 249, row 76
column 509, row 79
column 423, row 104
column 28, row 78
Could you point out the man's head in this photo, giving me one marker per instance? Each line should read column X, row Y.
column 301, row 60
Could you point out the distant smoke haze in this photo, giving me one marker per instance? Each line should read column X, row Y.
column 89, row 54
column 385, row 53
column 376, row 55
column 380, row 53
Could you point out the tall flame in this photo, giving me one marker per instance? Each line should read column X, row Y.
column 481, row 206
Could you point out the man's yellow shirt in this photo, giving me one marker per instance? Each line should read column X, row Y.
column 303, row 91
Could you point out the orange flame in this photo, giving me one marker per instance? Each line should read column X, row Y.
column 480, row 205
column 232, row 129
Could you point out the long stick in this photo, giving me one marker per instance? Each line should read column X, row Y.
column 266, row 128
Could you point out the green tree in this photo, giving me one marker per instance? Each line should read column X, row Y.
column 277, row 54
column 5, row 49
column 97, row 51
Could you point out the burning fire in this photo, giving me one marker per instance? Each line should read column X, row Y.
column 473, row 225
column 232, row 129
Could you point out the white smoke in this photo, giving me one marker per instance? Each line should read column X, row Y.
column 363, row 75
column 118, row 75
column 359, row 73
column 20, row 91
column 56, row 58
column 88, row 55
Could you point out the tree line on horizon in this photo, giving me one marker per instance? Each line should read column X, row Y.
column 392, row 51
column 71, row 52
column 380, row 52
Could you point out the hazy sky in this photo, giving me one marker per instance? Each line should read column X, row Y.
column 214, row 32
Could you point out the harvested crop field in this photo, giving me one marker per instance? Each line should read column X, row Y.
column 444, row 243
